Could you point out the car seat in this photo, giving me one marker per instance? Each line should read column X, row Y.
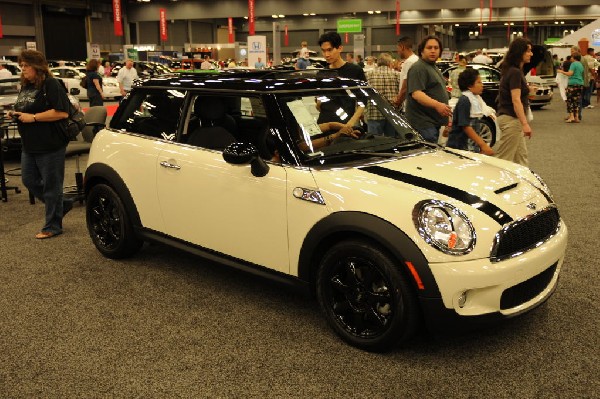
column 217, row 128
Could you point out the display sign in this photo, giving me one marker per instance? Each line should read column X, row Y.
column 349, row 25
column 257, row 48
column 230, row 29
column 117, row 18
column 31, row 45
column 95, row 52
column 162, row 13
column 131, row 53
column 596, row 37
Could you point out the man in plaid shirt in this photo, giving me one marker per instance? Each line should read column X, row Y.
column 387, row 82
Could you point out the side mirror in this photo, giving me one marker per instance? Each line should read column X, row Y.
column 74, row 91
column 246, row 153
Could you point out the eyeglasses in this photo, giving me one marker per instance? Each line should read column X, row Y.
column 23, row 65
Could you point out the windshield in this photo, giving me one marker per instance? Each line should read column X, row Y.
column 346, row 123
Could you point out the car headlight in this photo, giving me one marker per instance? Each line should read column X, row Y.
column 445, row 227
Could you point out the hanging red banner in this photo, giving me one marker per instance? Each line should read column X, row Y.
column 230, row 29
column 1, row 35
column 163, row 24
column 491, row 10
column 251, row 17
column 397, row 17
column 346, row 38
column 117, row 18
column 285, row 36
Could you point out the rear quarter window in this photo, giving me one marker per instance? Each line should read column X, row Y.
column 154, row 113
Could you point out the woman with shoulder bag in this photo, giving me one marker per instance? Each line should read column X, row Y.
column 94, row 84
column 41, row 107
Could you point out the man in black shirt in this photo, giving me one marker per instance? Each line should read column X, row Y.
column 331, row 46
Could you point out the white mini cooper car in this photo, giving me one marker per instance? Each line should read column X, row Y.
column 275, row 175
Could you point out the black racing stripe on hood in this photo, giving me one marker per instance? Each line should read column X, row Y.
column 484, row 206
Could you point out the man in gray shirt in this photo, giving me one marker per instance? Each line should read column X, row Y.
column 427, row 107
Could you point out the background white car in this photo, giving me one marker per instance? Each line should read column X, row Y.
column 72, row 77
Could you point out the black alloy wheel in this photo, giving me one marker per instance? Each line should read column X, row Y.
column 109, row 227
column 365, row 298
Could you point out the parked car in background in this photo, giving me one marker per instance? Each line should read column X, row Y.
column 144, row 68
column 12, row 66
column 386, row 231
column 542, row 94
column 490, row 76
column 72, row 77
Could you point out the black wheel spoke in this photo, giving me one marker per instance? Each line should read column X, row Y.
column 376, row 317
column 338, row 285
column 352, row 279
column 342, row 307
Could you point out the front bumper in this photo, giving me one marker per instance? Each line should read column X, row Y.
column 496, row 290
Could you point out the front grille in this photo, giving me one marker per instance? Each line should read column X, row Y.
column 527, row 290
column 525, row 234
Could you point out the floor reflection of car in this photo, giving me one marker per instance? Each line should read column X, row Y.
column 72, row 77
column 386, row 231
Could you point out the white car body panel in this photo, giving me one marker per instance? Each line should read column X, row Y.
column 245, row 214
column 136, row 168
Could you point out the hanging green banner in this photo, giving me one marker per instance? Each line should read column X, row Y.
column 349, row 25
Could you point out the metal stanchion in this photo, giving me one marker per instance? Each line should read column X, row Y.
column 3, row 187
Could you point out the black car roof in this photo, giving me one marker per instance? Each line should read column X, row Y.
column 255, row 81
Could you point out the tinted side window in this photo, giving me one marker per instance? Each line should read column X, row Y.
column 154, row 113
column 217, row 121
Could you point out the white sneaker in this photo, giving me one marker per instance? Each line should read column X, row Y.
column 590, row 106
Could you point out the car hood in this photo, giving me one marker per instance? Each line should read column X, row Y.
column 457, row 176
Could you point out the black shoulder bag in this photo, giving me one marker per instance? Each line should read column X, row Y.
column 73, row 124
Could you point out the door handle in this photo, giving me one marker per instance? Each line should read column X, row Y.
column 166, row 164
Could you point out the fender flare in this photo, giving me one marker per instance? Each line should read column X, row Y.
column 102, row 173
column 341, row 225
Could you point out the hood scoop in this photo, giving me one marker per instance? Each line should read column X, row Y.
column 507, row 188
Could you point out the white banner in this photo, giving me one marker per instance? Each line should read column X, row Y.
column 257, row 48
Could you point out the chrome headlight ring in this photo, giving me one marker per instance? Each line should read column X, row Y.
column 444, row 227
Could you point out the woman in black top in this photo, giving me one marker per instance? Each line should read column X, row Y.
column 94, row 84
column 40, row 110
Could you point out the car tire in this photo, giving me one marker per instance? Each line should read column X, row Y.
column 365, row 297
column 109, row 226
column 487, row 132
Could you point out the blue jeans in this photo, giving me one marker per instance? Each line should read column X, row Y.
column 431, row 134
column 381, row 127
column 43, row 175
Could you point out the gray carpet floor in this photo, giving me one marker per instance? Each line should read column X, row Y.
column 168, row 324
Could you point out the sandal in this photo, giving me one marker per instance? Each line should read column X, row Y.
column 45, row 234
column 569, row 121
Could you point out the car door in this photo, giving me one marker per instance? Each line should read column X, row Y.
column 223, row 207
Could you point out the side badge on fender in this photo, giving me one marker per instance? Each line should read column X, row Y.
column 307, row 194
